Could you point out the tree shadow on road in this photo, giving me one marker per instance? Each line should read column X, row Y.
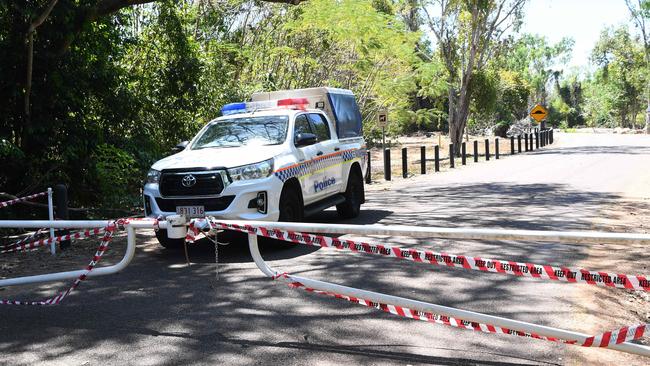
column 178, row 314
column 600, row 149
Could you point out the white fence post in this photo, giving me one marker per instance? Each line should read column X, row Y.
column 50, row 209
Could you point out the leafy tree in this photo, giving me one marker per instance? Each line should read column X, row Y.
column 641, row 15
column 68, row 86
column 129, row 80
column 537, row 61
column 166, row 70
column 348, row 44
column 620, row 79
column 513, row 95
column 468, row 34
column 599, row 104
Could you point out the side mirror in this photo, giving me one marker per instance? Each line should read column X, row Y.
column 305, row 139
column 180, row 147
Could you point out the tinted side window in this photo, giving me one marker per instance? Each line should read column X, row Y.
column 302, row 125
column 320, row 127
column 347, row 115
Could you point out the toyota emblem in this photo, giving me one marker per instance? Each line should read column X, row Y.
column 188, row 181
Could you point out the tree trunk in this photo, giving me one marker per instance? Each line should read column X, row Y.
column 458, row 113
column 647, row 118
column 27, row 122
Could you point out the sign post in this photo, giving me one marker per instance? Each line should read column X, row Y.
column 382, row 122
column 539, row 113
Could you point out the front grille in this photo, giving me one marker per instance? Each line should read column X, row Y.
column 209, row 204
column 207, row 184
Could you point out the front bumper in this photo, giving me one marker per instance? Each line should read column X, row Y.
column 231, row 204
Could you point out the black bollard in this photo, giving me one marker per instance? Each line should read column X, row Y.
column 463, row 153
column 405, row 168
column 526, row 141
column 536, row 139
column 512, row 145
column 550, row 140
column 387, row 164
column 487, row 149
column 423, row 160
column 519, row 143
column 368, row 170
column 496, row 148
column 451, row 156
column 475, row 151
column 436, row 157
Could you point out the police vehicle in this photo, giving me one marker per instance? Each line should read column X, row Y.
column 280, row 157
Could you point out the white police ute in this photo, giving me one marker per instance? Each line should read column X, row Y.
column 283, row 156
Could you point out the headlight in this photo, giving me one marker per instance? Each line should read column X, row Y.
column 153, row 176
column 252, row 171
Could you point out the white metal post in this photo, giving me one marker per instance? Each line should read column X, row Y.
column 567, row 237
column 50, row 209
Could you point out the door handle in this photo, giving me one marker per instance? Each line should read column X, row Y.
column 319, row 153
column 337, row 148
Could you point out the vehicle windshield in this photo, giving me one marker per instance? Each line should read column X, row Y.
column 244, row 131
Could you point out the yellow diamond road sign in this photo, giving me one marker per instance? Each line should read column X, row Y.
column 538, row 113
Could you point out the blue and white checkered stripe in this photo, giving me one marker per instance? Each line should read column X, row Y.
column 311, row 166
column 354, row 154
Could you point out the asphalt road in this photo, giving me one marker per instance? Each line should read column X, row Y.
column 159, row 311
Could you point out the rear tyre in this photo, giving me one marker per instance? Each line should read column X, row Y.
column 165, row 241
column 354, row 196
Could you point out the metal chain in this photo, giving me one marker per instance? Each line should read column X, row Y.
column 215, row 240
column 216, row 258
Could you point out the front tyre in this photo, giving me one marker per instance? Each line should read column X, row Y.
column 291, row 209
column 165, row 241
column 354, row 195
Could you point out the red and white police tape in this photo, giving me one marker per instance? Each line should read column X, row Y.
column 25, row 245
column 32, row 237
column 103, row 246
column 20, row 199
column 193, row 231
column 545, row 272
column 604, row 340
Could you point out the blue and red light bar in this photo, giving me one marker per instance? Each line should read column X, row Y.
column 245, row 107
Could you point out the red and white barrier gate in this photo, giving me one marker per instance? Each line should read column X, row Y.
column 107, row 227
column 299, row 233
column 619, row 339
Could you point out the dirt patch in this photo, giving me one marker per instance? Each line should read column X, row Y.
column 606, row 308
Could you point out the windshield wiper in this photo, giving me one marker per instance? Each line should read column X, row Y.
column 216, row 147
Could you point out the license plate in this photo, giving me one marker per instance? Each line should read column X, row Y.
column 191, row 211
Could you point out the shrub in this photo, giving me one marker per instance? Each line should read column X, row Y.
column 501, row 129
column 117, row 175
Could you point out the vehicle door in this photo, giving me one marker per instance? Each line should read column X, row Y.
column 331, row 159
column 309, row 173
